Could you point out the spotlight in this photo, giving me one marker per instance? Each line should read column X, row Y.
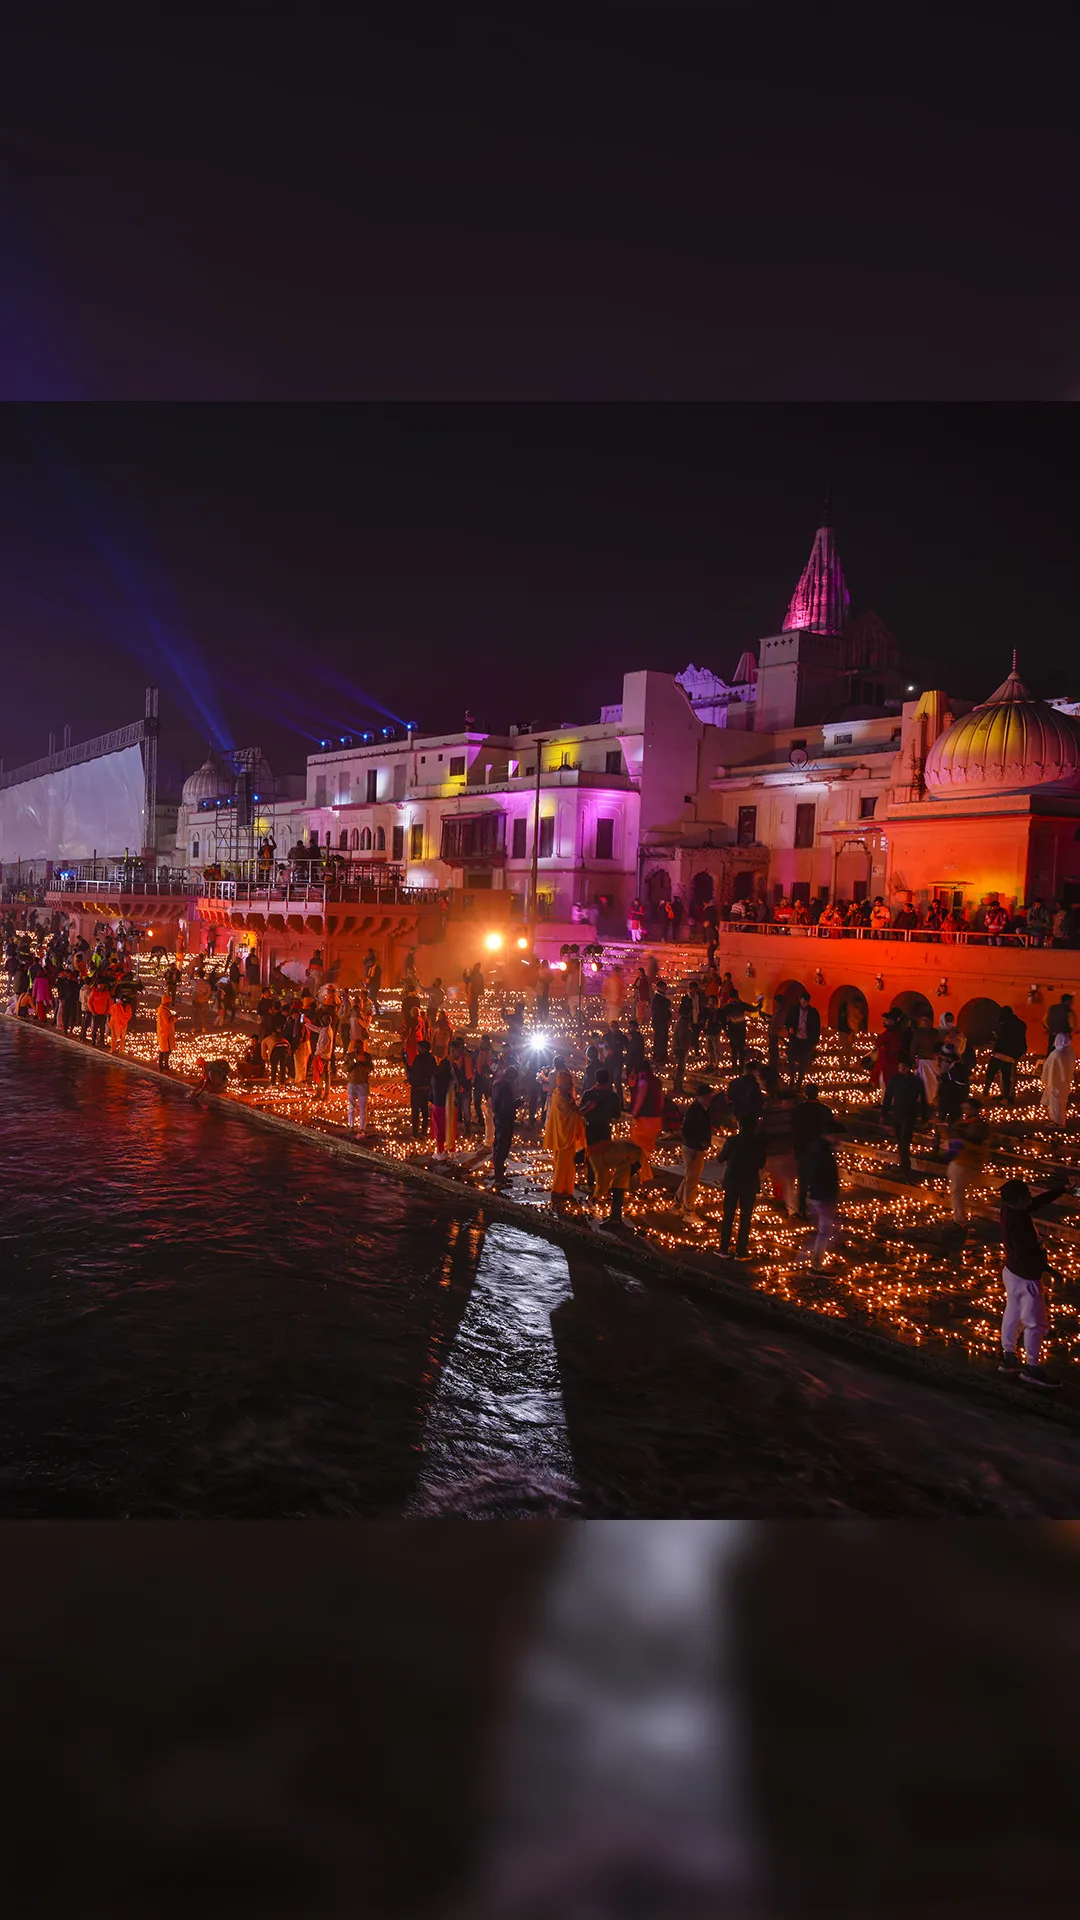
column 522, row 942
column 538, row 1042
column 493, row 941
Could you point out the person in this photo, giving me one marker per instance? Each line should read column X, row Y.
column 281, row 1054
column 200, row 1001
column 745, row 1095
column 642, row 997
column 954, row 1084
column 1057, row 1078
column 742, row 1157
column 682, row 1041
column 647, row 1112
column 810, row 1120
column 803, row 1023
column 504, row 1099
column 601, row 1107
column 904, row 1106
column 442, row 1096
column 119, row 1022
column 996, row 923
column 823, row 1196
column 213, row 1077
column 887, row 1050
column 906, row 919
column 924, row 1053
column 1038, row 923
column 1060, row 1019
column 777, row 1132
column 879, row 919
column 483, row 1079
column 98, row 1002
column 41, row 995
column 357, row 1077
column 1009, row 1045
column 324, row 1054
column 714, row 1023
column 616, row 1164
column 850, row 1022
column 966, row 1160
column 564, row 1136
column 166, row 1032
column 696, row 1135
column 441, row 1035
column 661, row 1024
column 735, row 1012
column 418, row 1072
column 635, row 1048
column 1023, row 1275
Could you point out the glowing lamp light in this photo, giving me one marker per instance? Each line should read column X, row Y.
column 493, row 941
column 560, row 966
column 879, row 982
column 538, row 1042
column 942, row 987
column 522, row 942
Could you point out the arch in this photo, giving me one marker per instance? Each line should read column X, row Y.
column 913, row 1005
column 858, row 1011
column 977, row 1019
column 658, row 886
column 195, row 847
column 743, row 885
column 354, row 839
column 343, row 840
column 701, row 891
column 380, row 840
column 365, row 840
column 786, row 990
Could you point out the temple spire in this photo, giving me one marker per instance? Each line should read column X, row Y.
column 821, row 600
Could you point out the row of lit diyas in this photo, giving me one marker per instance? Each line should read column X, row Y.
column 933, row 1290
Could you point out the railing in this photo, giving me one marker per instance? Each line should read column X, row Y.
column 291, row 893
column 175, row 885
column 970, row 936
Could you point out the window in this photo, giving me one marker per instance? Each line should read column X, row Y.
column 372, row 785
column 613, row 761
column 398, row 840
column 804, row 825
column 344, row 790
column 343, row 840
column 547, row 836
column 474, row 836
column 867, row 805
column 605, row 839
column 365, row 840
column 328, row 840
column 517, row 848
column 379, row 841
column 355, row 841
column 320, row 790
column 747, row 829
column 842, row 739
column 416, row 843
column 860, row 890
column 399, row 780
column 800, row 891
column 457, row 766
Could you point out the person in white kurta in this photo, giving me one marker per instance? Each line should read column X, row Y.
column 1058, row 1069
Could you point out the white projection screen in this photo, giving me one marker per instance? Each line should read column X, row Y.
column 94, row 807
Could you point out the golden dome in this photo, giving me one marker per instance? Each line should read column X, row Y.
column 1010, row 744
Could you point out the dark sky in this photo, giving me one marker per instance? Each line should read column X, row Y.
column 284, row 572
column 618, row 201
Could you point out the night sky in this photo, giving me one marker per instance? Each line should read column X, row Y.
column 618, row 201
column 286, row 573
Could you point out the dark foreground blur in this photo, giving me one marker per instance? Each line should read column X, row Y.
column 629, row 1719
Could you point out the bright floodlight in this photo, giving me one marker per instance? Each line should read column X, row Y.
column 522, row 942
column 493, row 941
column 538, row 1041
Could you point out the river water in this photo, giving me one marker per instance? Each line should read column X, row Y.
column 199, row 1317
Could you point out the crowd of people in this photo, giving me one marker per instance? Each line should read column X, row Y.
column 1038, row 924
column 745, row 1112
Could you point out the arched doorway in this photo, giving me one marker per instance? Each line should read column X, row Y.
column 743, row 888
column 978, row 1018
column 858, row 1012
column 658, row 886
column 912, row 1005
column 786, row 991
column 701, row 893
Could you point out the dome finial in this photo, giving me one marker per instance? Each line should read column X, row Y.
column 1014, row 664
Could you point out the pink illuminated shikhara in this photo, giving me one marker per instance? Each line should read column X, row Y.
column 821, row 601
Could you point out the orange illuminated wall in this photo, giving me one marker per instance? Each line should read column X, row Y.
column 1016, row 854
